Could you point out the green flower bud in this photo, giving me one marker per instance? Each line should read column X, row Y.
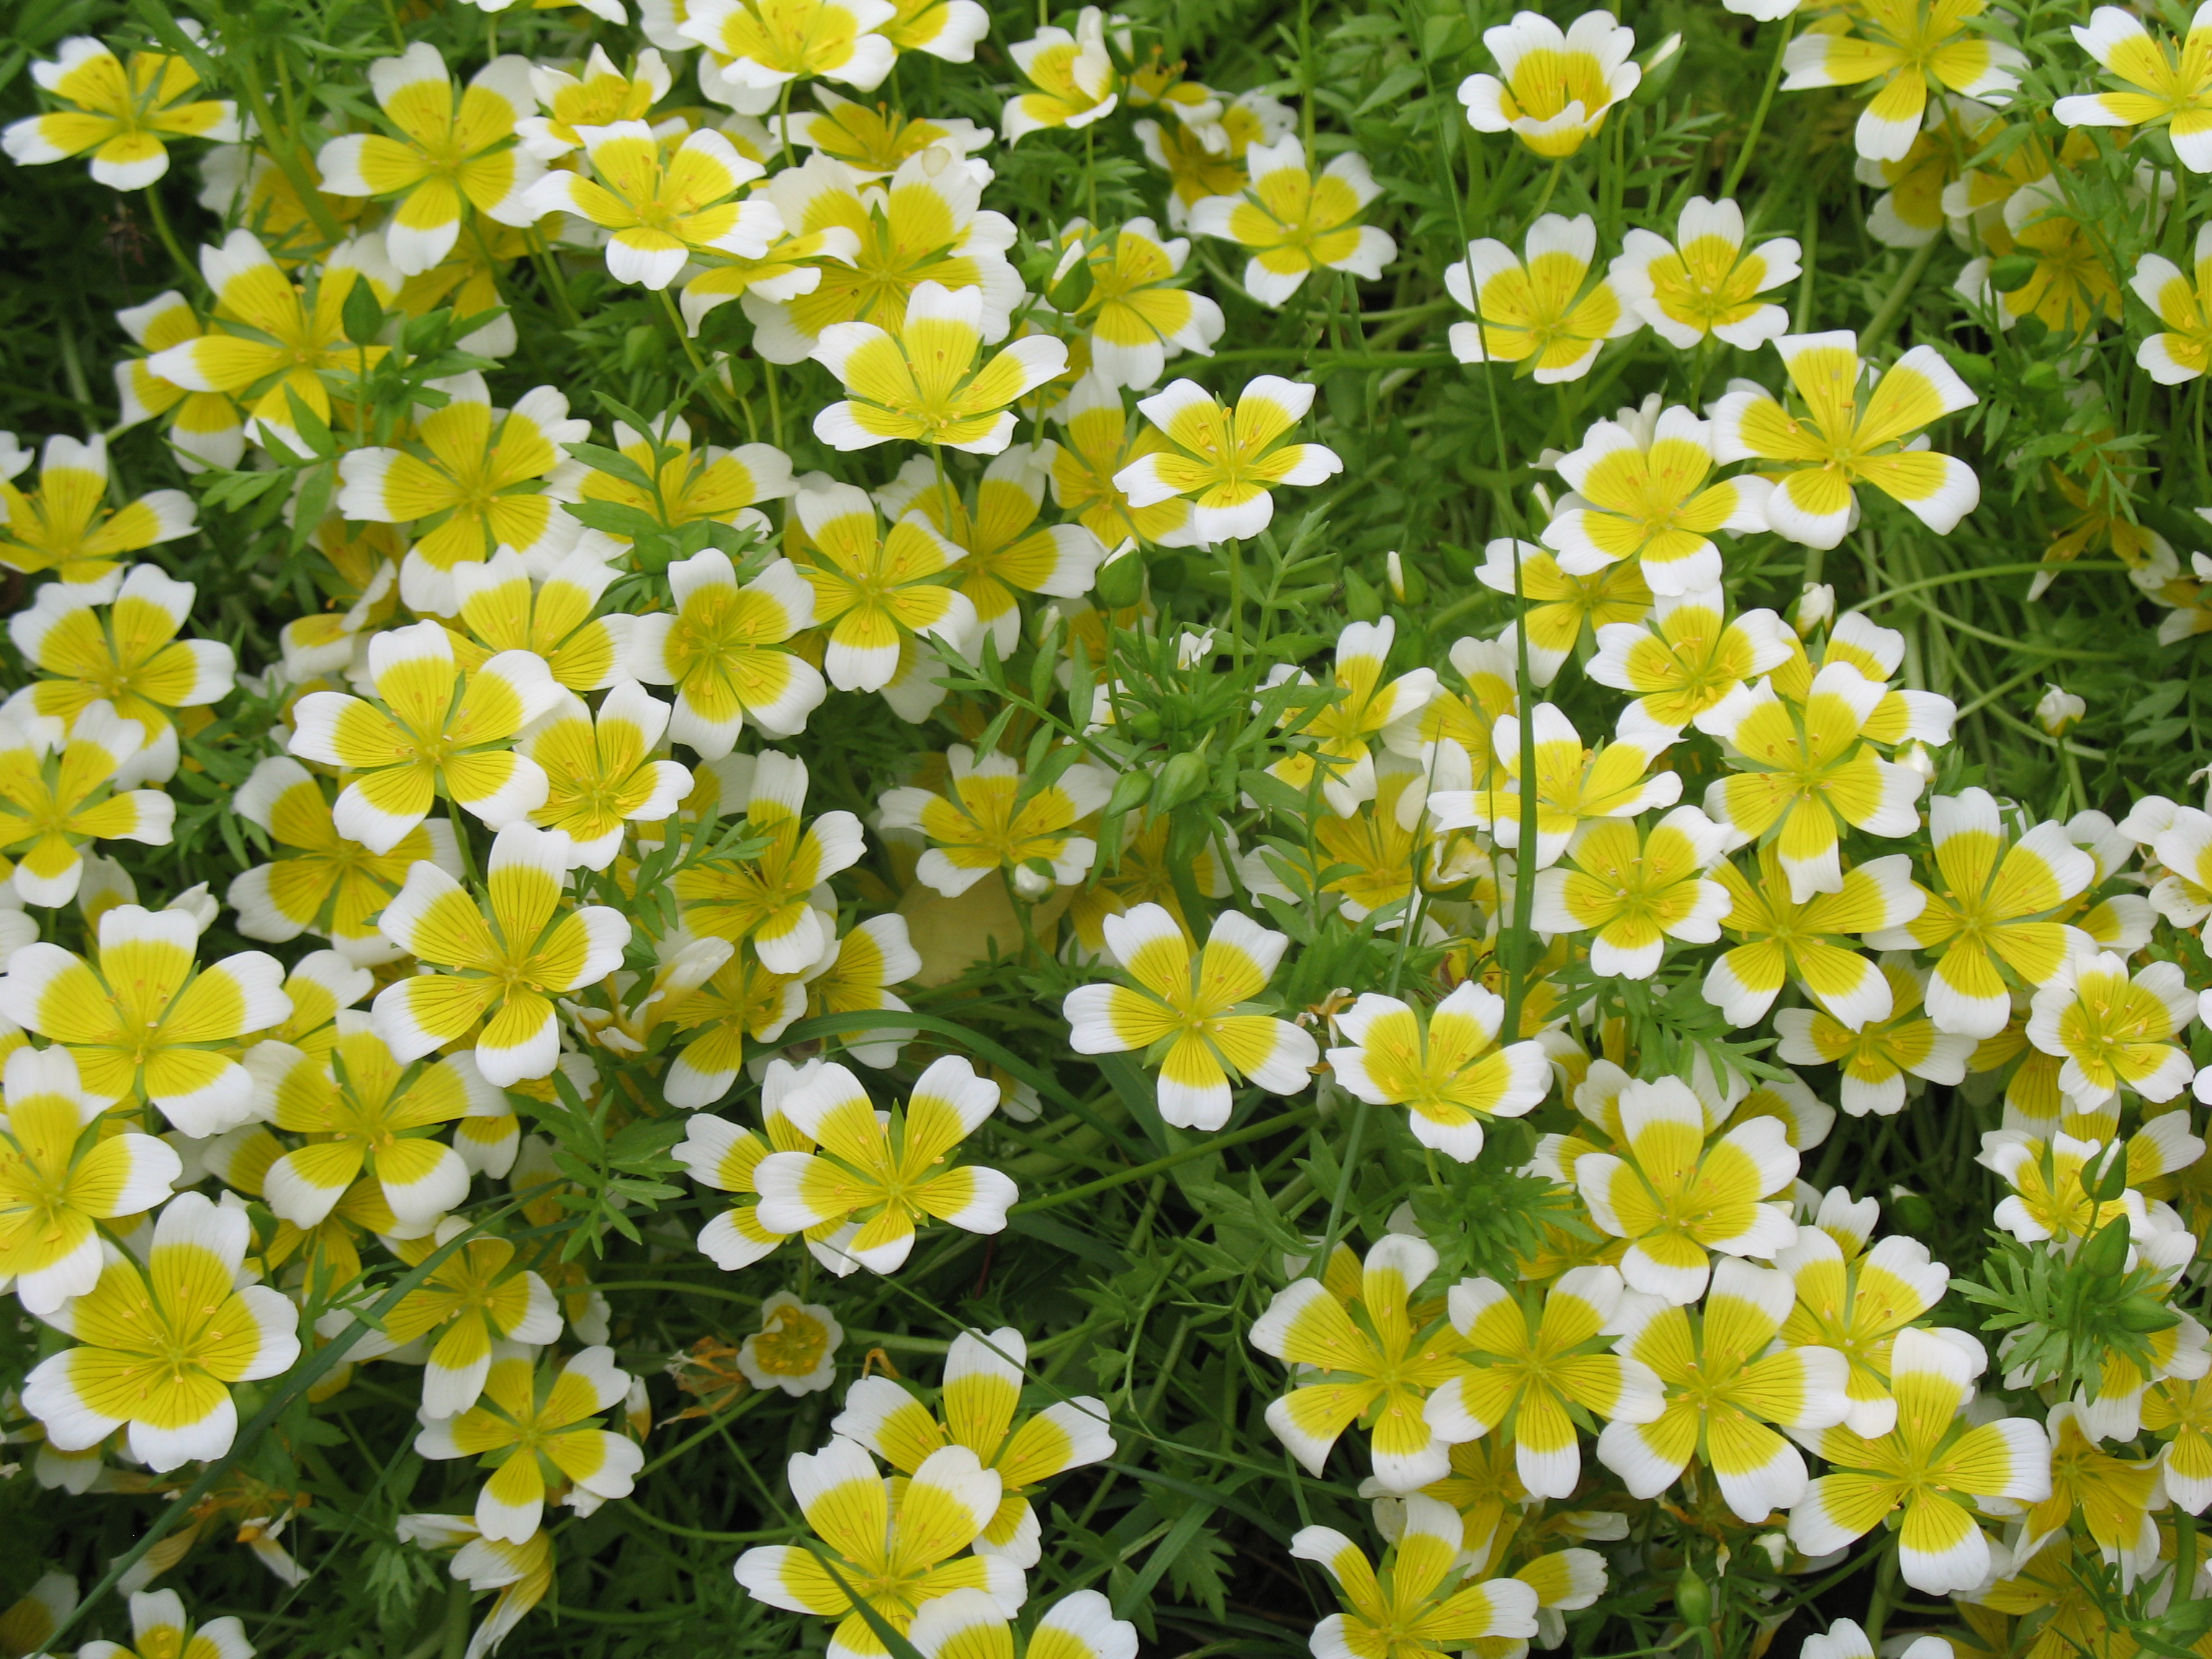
column 1693, row 1599
column 1131, row 790
column 1183, row 778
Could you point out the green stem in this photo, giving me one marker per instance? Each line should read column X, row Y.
column 161, row 217
column 702, row 377
column 1330, row 1234
column 1877, row 330
column 1758, row 115
column 1259, row 1131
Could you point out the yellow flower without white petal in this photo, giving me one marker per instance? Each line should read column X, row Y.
column 1121, row 285
column 968, row 1624
column 1690, row 657
column 145, row 1020
column 1704, row 283
column 996, row 819
column 65, row 525
column 763, row 45
column 453, row 154
column 1644, row 489
column 766, row 900
column 873, row 140
column 432, row 730
column 1073, row 78
column 1784, row 938
column 1368, row 1361
column 204, row 429
column 2167, row 82
column 926, row 383
column 538, row 1431
column 599, row 770
column 1856, row 1303
column 1343, row 730
column 1295, row 223
column 365, row 1111
column 320, row 881
column 270, row 339
column 1543, row 311
column 505, row 958
column 599, row 95
column 2183, row 304
column 473, row 482
column 1557, row 84
column 1633, row 891
column 981, row 1409
column 900, row 1545
column 1573, row 785
column 1851, row 433
column 1930, row 1467
column 1799, row 773
column 1675, row 1196
column 795, row 1349
column 722, row 650
column 1905, row 47
column 1874, row 1060
column 1446, row 1069
column 2071, row 285
column 160, row 1345
column 1226, row 461
column 1192, row 1014
column 478, row 1299
column 882, row 1176
column 54, row 1188
column 1541, row 1369
column 875, row 589
column 662, row 206
column 2112, row 1032
column 1421, row 1603
column 124, row 114
column 1727, row 1380
column 124, row 651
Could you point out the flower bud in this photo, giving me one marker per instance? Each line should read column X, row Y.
column 1181, row 779
column 1033, row 879
column 1916, row 756
column 1693, row 1599
column 2056, row 710
column 1816, row 607
column 1131, row 790
column 1121, row 580
column 2106, row 1256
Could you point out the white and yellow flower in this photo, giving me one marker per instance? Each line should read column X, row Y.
column 1425, row 1600
column 995, row 819
column 926, row 382
column 600, row 770
column 65, row 525
column 722, row 650
column 1557, row 85
column 1644, row 489
column 1446, row 1069
column 2166, row 82
column 661, row 206
column 1634, row 890
column 126, row 115
column 1690, row 656
column 1296, row 221
column 204, row 429
column 1573, row 785
column 761, row 45
column 1704, row 281
column 54, row 805
column 1227, row 461
column 2183, row 303
column 795, row 1350
column 2114, row 1030
column 1905, row 47
column 1138, row 315
column 1875, row 1060
column 1785, row 937
column 1540, row 309
column 1072, row 77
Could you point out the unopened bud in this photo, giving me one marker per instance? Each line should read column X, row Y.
column 1916, row 756
column 1774, row 1546
column 1181, row 779
column 1034, row 880
column 1693, row 1599
column 1131, row 790
column 1393, row 572
column 1121, row 579
column 2057, row 710
column 1816, row 607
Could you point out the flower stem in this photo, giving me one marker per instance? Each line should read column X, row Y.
column 161, row 217
column 702, row 377
column 1908, row 279
column 1759, row 114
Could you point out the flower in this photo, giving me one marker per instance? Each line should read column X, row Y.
column 535, row 1432
column 1856, row 1303
column 2114, row 1031
column 873, row 590
column 721, row 650
column 1073, row 76
column 1674, row 1194
column 1538, row 1364
column 2182, row 302
column 475, row 1302
column 124, row 115
column 204, row 427
column 1703, row 282
column 54, row 1188
column 981, row 1409
column 996, row 819
column 2182, row 1412
column 900, row 1554
column 365, row 1109
column 51, row 806
column 476, row 486
column 1640, row 492
column 762, row 44
column 1726, row 1378
column 599, row 96
column 2167, row 87
column 718, row 1153
column 126, row 654
column 870, row 958
column 1191, row 1014
column 944, row 28
column 1295, row 223
column 502, row 609
column 1343, row 729
column 1545, row 311
column 143, row 1020
column 2070, row 287
column 320, row 881
column 1931, row 1467
column 1785, row 937
column 432, row 730
column 159, row 1630
column 1372, row 1362
column 64, row 525
column 795, row 1348
column 1874, row 1059
column 505, row 957
column 1906, row 45
column 766, row 900
column 160, row 1345
column 877, row 1177
column 923, row 383
column 742, row 999
column 682, row 486
column 662, row 206
column 446, row 159
column 1565, row 607
column 1080, row 1626
column 1447, row 1070
column 1423, row 1601
column 521, row 1573
column 270, row 339
column 873, row 140
column 1800, row 774
column 1195, row 170
column 1227, row 461
column 1137, row 315
column 1993, row 887
column 1637, row 891
column 1102, row 442
column 2058, row 711
column 1573, row 785
column 1558, row 86
column 599, row 771
column 2112, row 1494
column 1690, row 658
column 1847, row 437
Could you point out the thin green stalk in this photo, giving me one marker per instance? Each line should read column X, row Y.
column 1758, row 115
column 160, row 216
column 702, row 377
column 1259, row 1131
column 1877, row 328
